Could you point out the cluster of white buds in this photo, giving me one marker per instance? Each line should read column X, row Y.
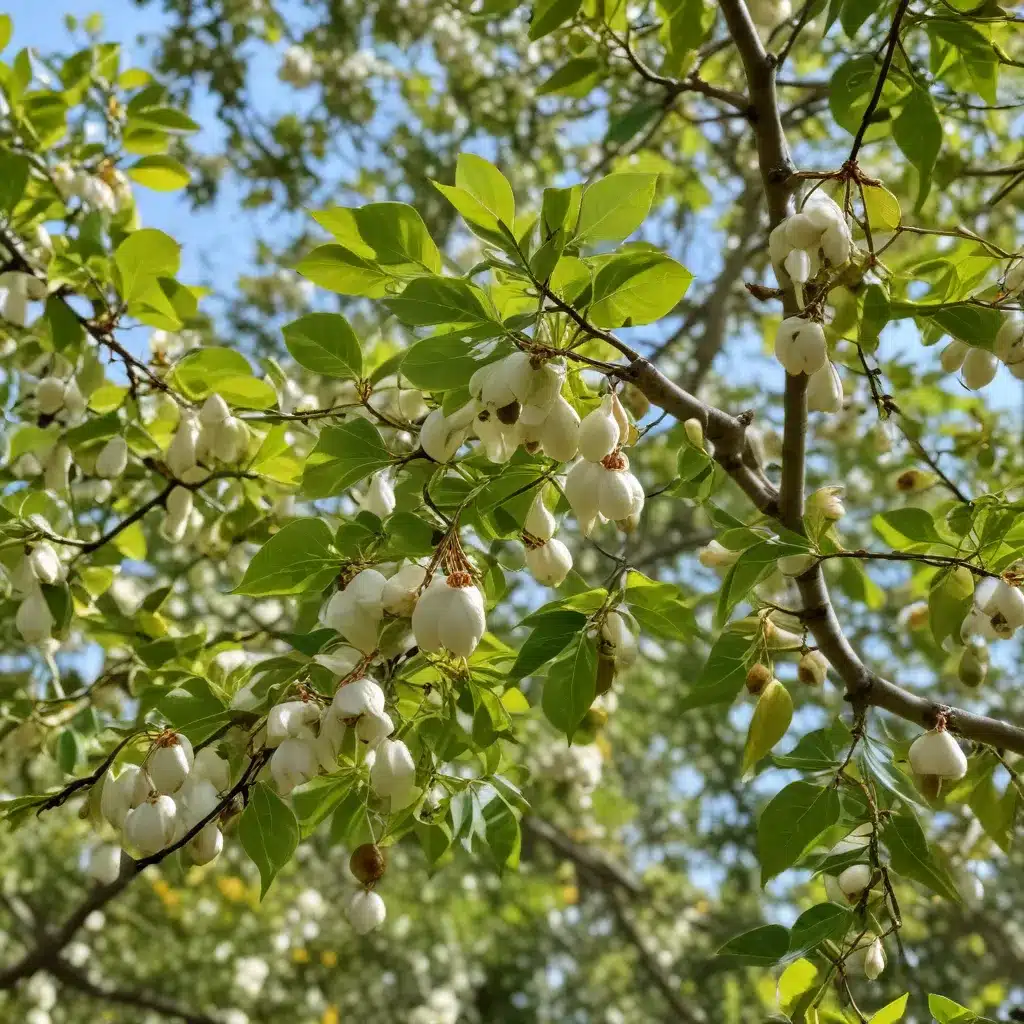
column 514, row 401
column 547, row 558
column 800, row 347
column 17, row 290
column 978, row 367
column 58, row 397
column 451, row 614
column 600, row 487
column 298, row 67
column 356, row 611
column 158, row 803
column 802, row 241
column 997, row 612
column 38, row 566
column 934, row 757
column 107, row 191
column 214, row 436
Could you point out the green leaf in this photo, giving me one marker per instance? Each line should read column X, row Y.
column 724, row 673
column 6, row 30
column 613, row 208
column 160, row 173
column 205, row 370
column 659, row 607
column 550, row 637
column 826, row 921
column 299, row 557
column 501, row 827
column 791, row 824
column 14, row 170
column 876, row 761
column 326, row 344
column 268, row 832
column 576, row 78
column 945, row 1011
column 750, row 569
column 891, row 1012
column 685, row 29
column 997, row 812
column 344, row 455
column 440, row 300
column 69, row 751
column 570, row 686
column 907, row 527
column 909, row 856
column 194, row 709
column 549, row 14
column 478, row 218
column 761, row 947
column 167, row 118
column 142, row 257
column 445, row 361
column 817, row 751
column 340, row 270
column 949, row 600
column 487, row 185
column 636, row 288
column 318, row 800
column 435, row 837
column 976, row 52
column 390, row 234
column 882, row 208
column 918, row 133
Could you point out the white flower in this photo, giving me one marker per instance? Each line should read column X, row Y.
column 207, row 845
column 616, row 632
column 150, row 826
column 867, row 959
column 1001, row 600
column 798, row 266
column 402, row 590
column 800, row 345
column 953, row 355
column 837, row 244
column 359, row 697
column 17, row 289
column 441, row 436
column 979, row 369
column 600, row 432
column 298, row 67
column 356, row 611
column 365, row 911
column 583, row 491
column 828, row 501
column 216, row 770
column 329, row 739
column 558, row 435
column 105, row 864
column 854, row 880
column 715, row 556
column 1009, row 343
column 379, row 497
column 215, row 410
column 450, row 613
column 802, row 232
column 936, row 753
column 230, row 439
column 393, row 775
column 540, row 523
column 549, row 563
column 170, row 762
column 812, row 668
column 45, row 563
column 33, row 619
column 1014, row 281
column 112, row 459
column 294, row 718
column 123, row 792
column 181, row 454
column 50, row 395
column 491, row 384
column 825, row 389
column 58, row 465
column 293, row 763
column 373, row 727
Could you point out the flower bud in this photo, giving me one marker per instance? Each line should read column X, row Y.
column 293, row 763
column 215, row 410
column 583, row 490
column 169, row 762
column 50, row 395
column 695, row 432
column 179, row 503
column 393, row 775
column 1013, row 284
column 828, row 502
column 208, row 765
column 401, row 592
column 58, row 466
column 600, row 432
column 979, row 369
column 1009, row 344
column 34, row 620
column 442, row 436
column 953, row 355
column 206, row 846
column 105, row 863
column 368, row 862
column 379, row 497
column 973, row 667
column 758, row 677
column 616, row 632
column 356, row 611
column 825, row 390
column 854, row 880
column 620, row 494
column 798, row 266
column 559, row 433
column 714, row 556
column 359, row 697
column 230, row 440
column 836, row 244
column 913, row 481
column 779, row 246
column 123, row 792
column 540, row 523
column 802, row 232
column 1001, row 601
column 372, row 729
column 935, row 756
column 800, row 346
column 112, row 459
column 150, row 826
column 293, row 718
column 450, row 613
column 772, row 715
column 45, row 563
column 365, row 911
column 812, row 668
column 549, row 563
column 867, row 959
column 181, row 454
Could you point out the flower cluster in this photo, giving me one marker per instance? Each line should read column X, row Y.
column 547, row 558
column 977, row 366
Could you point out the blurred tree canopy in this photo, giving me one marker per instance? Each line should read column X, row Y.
column 731, row 294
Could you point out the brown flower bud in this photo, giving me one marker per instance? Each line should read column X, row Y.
column 758, row 678
column 368, row 863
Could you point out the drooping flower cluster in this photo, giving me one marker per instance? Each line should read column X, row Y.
column 805, row 241
column 157, row 803
column 547, row 558
column 977, row 366
column 997, row 612
column 199, row 443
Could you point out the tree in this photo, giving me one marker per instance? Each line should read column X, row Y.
column 564, row 523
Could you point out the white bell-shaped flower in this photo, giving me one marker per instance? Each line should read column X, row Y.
column 779, row 246
column 716, row 556
column 559, row 434
column 293, row 718
column 359, row 697
column 379, row 497
column 802, row 232
column 798, row 266
column 1009, row 343
column 356, row 611
column 122, row 792
column 450, row 613
column 50, row 395
column 45, row 563
column 800, row 345
column 105, row 863
column 837, row 244
column 549, row 563
column 181, row 453
column 953, row 355
column 371, row 729
column 170, row 762
column 207, row 845
column 500, row 440
column 540, row 523
column 112, row 460
column 150, row 826
column 854, row 880
column 583, row 491
column 402, row 590
column 393, row 775
column 216, row 770
column 34, row 620
column 618, row 634
column 620, row 495
column 215, row 410
column 1001, row 601
column 600, row 431
column 536, row 384
column 365, row 911
column 329, row 738
column 825, row 389
column 867, row 959
column 1013, row 283
column 441, row 436
column 979, row 369
column 230, row 440
column 292, row 764
column 57, row 468
column 491, row 385
column 937, row 754
column 179, row 503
